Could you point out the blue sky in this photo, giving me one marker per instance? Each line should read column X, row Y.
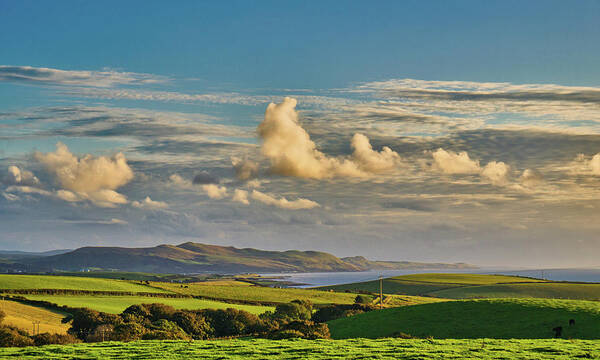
column 440, row 131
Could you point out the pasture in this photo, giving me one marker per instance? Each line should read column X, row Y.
column 116, row 304
column 491, row 318
column 27, row 282
column 316, row 349
column 474, row 286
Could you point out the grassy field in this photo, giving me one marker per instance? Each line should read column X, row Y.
column 21, row 316
column 257, row 293
column 470, row 286
column 316, row 349
column 72, row 283
column 492, row 318
column 116, row 304
column 537, row 290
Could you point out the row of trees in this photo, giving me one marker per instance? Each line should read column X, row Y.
column 296, row 319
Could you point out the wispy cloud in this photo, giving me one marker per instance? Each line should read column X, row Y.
column 104, row 78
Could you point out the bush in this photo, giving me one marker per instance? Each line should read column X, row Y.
column 305, row 328
column 47, row 339
column 128, row 332
column 165, row 330
column 333, row 312
column 10, row 336
column 362, row 299
column 193, row 323
column 85, row 322
column 296, row 310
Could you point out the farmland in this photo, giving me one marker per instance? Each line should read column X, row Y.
column 21, row 316
column 493, row 318
column 317, row 349
column 116, row 304
column 471, row 286
column 25, row 282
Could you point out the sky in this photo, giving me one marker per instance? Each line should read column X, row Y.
column 462, row 131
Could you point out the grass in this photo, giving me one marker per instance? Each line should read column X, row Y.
column 21, row 316
column 316, row 349
column 491, row 318
column 538, row 290
column 256, row 293
column 23, row 282
column 472, row 286
column 116, row 304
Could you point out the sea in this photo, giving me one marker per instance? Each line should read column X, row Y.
column 305, row 280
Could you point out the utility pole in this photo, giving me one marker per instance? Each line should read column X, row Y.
column 380, row 292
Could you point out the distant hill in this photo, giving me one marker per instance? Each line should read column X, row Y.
column 195, row 258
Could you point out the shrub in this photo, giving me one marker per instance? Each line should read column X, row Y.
column 296, row 310
column 333, row 312
column 10, row 336
column 128, row 332
column 193, row 323
column 362, row 299
column 47, row 339
column 85, row 321
column 302, row 328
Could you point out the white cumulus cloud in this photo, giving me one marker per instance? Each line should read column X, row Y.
column 284, row 203
column 215, row 191
column 292, row 153
column 240, row 196
column 89, row 177
column 149, row 204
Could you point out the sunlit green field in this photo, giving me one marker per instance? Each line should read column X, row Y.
column 72, row 283
column 492, row 318
column 116, row 304
column 537, row 290
column 257, row 293
column 317, row 349
column 470, row 286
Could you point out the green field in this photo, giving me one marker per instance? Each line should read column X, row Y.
column 474, row 286
column 537, row 290
column 317, row 349
column 26, row 282
column 492, row 318
column 116, row 304
column 257, row 293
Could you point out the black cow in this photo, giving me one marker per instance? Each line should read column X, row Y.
column 557, row 331
column 571, row 322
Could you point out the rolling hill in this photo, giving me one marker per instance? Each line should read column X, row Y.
column 469, row 319
column 196, row 258
column 475, row 286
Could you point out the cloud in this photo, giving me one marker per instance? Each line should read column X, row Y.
column 105, row 78
column 241, row 196
column 28, row 190
column 244, row 168
column 531, row 178
column 88, row 178
column 582, row 165
column 149, row 204
column 282, row 202
column 292, row 153
column 496, row 172
column 17, row 176
column 450, row 162
column 178, row 181
column 205, row 178
column 214, row 191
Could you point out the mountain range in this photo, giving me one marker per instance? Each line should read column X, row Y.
column 198, row 258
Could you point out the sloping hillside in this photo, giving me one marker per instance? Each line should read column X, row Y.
column 194, row 258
